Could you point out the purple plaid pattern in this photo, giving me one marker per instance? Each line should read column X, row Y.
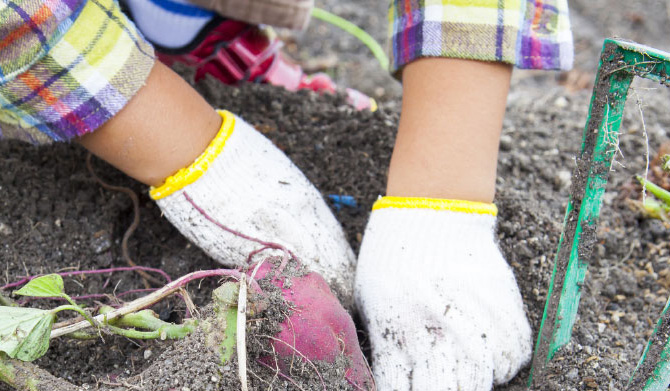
column 67, row 67
column 526, row 33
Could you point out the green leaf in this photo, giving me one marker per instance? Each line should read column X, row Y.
column 36, row 344
column 229, row 335
column 225, row 305
column 50, row 285
column 226, row 295
column 25, row 332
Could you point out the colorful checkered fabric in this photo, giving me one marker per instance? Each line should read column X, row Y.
column 526, row 33
column 66, row 67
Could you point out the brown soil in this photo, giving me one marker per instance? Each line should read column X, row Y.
column 54, row 216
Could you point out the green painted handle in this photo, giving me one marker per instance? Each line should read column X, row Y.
column 653, row 371
column 620, row 62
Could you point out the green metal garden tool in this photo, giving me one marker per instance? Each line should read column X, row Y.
column 620, row 62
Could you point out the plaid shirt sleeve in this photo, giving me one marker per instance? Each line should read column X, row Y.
column 66, row 67
column 526, row 33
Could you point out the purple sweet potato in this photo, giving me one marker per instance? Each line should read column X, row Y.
column 319, row 328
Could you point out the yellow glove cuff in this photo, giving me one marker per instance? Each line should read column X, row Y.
column 436, row 204
column 192, row 173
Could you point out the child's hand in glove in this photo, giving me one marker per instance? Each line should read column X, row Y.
column 441, row 305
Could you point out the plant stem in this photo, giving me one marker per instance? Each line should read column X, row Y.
column 74, row 307
column 241, row 332
column 356, row 31
column 146, row 301
column 25, row 376
column 131, row 333
column 66, row 307
column 6, row 301
column 146, row 319
column 656, row 190
column 69, row 300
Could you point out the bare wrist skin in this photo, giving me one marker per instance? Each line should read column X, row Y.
column 163, row 128
column 449, row 131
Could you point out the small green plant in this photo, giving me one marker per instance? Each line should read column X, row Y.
column 25, row 332
column 659, row 206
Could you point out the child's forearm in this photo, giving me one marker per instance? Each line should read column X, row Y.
column 163, row 128
column 447, row 144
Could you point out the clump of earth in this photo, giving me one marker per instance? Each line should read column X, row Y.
column 54, row 216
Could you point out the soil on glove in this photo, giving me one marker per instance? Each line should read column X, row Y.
column 55, row 217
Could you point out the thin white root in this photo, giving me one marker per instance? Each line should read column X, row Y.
column 258, row 266
column 307, row 360
column 646, row 150
column 189, row 302
column 242, row 332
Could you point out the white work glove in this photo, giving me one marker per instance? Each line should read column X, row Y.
column 440, row 303
column 247, row 184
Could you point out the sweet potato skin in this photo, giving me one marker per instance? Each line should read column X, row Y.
column 318, row 327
